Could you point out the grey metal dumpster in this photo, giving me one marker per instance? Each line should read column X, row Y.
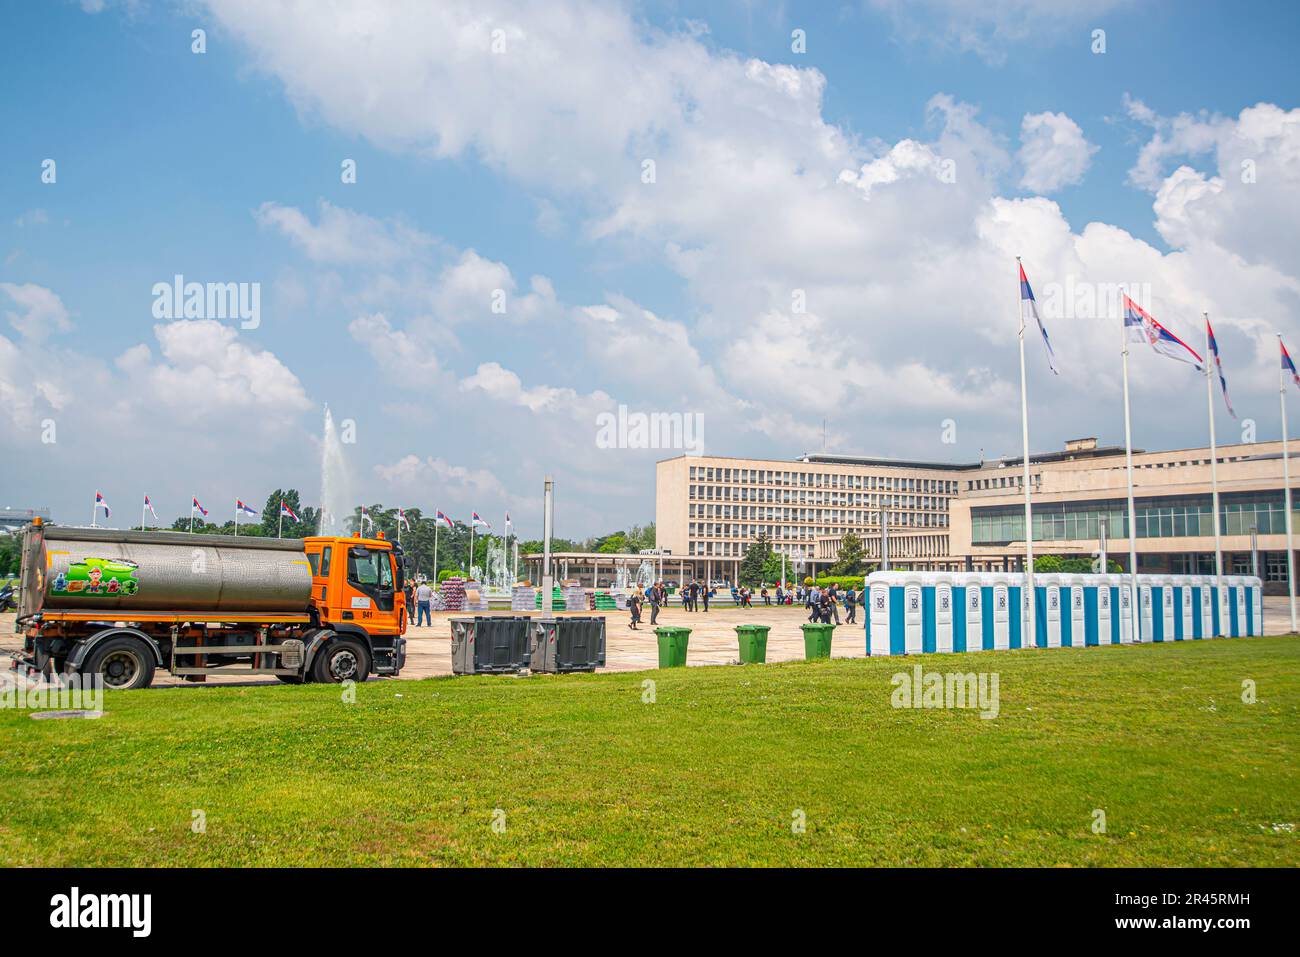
column 568, row 644
column 489, row 644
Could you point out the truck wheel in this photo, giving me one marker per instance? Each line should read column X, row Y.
column 342, row 660
column 125, row 663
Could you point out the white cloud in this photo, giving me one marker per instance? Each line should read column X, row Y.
column 1053, row 152
column 435, row 475
column 42, row 311
column 989, row 30
column 502, row 385
column 342, row 236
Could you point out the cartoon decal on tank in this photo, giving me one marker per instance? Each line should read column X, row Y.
column 97, row 576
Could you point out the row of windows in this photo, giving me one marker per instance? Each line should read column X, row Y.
column 1170, row 518
column 805, row 516
column 793, row 532
column 782, row 497
column 893, row 483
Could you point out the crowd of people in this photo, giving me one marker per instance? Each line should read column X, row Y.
column 823, row 604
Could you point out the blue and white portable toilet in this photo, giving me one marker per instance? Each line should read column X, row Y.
column 1107, row 632
column 1123, row 608
column 1239, row 600
column 1257, row 605
column 912, row 617
column 1001, row 611
column 1051, row 585
column 1145, row 599
column 975, row 605
column 943, row 612
column 878, row 614
column 1162, row 600
column 1072, row 619
column 1197, row 587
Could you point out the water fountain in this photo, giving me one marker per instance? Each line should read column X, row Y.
column 336, row 497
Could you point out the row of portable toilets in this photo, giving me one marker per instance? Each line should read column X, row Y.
column 911, row 613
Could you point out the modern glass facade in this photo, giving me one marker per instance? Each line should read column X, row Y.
column 1161, row 517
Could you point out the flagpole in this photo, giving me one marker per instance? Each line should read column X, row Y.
column 1029, row 640
column 469, row 570
column 279, row 522
column 437, row 520
column 1214, row 463
column 94, row 512
column 1286, row 482
column 142, row 518
column 1135, row 598
column 236, row 519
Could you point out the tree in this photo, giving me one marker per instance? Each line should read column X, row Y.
column 754, row 562
column 772, row 567
column 308, row 518
column 852, row 557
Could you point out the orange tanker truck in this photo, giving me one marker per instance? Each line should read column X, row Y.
column 123, row 604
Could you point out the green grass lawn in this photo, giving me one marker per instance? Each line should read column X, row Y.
column 711, row 773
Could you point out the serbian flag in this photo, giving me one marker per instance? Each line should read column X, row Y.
column 286, row 510
column 443, row 518
column 401, row 518
column 149, row 505
column 241, row 507
column 1218, row 365
column 1143, row 327
column 365, row 517
column 194, row 504
column 100, row 503
column 1029, row 309
column 478, row 522
column 1287, row 364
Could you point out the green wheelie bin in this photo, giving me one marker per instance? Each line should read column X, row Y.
column 672, row 645
column 817, row 640
column 753, row 643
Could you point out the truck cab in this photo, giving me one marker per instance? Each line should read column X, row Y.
column 358, row 587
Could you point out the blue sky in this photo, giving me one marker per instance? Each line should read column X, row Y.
column 225, row 167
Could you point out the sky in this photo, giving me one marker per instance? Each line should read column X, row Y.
column 476, row 230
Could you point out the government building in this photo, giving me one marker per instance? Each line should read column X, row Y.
column 954, row 516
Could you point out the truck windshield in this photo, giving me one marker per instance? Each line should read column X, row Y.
column 367, row 567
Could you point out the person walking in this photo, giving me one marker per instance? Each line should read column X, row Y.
column 634, row 607
column 657, row 595
column 424, row 604
column 833, row 594
column 705, row 590
column 851, row 606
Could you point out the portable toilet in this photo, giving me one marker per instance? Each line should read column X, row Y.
column 1072, row 619
column 943, row 613
column 1237, row 595
column 1051, row 585
column 1107, row 624
column 1162, row 603
column 1144, row 597
column 1256, row 607
column 1001, row 599
column 878, row 615
column 975, row 612
column 912, row 615
column 1200, row 602
column 1091, row 587
column 1122, row 607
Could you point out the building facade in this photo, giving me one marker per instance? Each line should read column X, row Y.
column 931, row 515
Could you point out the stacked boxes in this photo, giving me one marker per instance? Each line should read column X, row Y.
column 925, row 612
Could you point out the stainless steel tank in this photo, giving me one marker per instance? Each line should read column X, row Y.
column 85, row 569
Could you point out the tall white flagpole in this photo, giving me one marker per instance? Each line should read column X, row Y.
column 437, row 520
column 236, row 519
column 191, row 517
column 469, row 570
column 279, row 525
column 1030, row 638
column 1214, row 463
column 1286, row 482
column 1135, row 598
column 142, row 516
